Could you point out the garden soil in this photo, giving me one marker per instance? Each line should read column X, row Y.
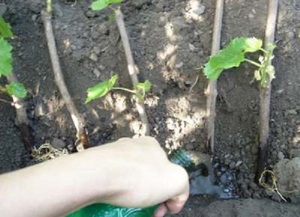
column 171, row 40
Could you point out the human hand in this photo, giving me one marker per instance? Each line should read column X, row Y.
column 142, row 176
column 128, row 172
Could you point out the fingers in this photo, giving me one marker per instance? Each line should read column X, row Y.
column 173, row 205
column 176, row 204
column 161, row 211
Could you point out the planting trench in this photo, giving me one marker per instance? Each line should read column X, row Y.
column 169, row 42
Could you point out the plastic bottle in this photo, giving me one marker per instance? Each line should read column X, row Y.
column 188, row 160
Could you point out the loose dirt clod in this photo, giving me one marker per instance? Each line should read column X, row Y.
column 288, row 176
column 271, row 185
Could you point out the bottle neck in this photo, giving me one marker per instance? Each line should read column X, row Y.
column 184, row 158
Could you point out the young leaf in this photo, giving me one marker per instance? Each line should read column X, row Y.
column 5, row 29
column 102, row 4
column 101, row 89
column 5, row 58
column 99, row 5
column 253, row 45
column 231, row 56
column 257, row 75
column 142, row 89
column 267, row 69
column 145, row 86
column 114, row 1
column 271, row 72
column 16, row 89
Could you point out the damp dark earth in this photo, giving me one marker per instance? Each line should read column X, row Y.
column 170, row 41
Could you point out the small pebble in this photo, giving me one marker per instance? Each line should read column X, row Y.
column 290, row 112
column 254, row 186
column 238, row 163
column 159, row 7
column 58, row 143
column 162, row 21
column 192, row 47
column 35, row 6
column 199, row 11
column 295, row 153
column 254, row 149
column 94, row 57
column 90, row 14
column 97, row 50
column 96, row 72
column 247, row 193
column 227, row 162
column 256, row 195
column 226, row 190
column 247, row 181
column 179, row 65
column 232, row 165
column 290, row 35
column 34, row 17
column 280, row 155
column 244, row 186
column 216, row 165
column 251, row 16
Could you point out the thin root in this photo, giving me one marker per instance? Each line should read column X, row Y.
column 272, row 186
column 193, row 85
column 47, row 152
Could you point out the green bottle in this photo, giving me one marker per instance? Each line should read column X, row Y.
column 188, row 160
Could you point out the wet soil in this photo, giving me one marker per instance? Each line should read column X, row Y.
column 170, row 42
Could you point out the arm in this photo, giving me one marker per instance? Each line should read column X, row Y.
column 129, row 172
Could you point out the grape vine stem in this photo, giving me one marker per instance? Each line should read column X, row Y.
column 21, row 118
column 132, row 69
column 211, row 91
column 82, row 140
column 265, row 92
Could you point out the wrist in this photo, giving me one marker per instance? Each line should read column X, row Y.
column 104, row 180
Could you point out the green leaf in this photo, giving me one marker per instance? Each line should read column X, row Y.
column 267, row 70
column 101, row 89
column 5, row 58
column 253, row 44
column 257, row 75
column 231, row 56
column 102, row 4
column 271, row 72
column 5, row 29
column 16, row 89
column 211, row 72
column 114, row 1
column 142, row 89
column 99, row 5
column 145, row 86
